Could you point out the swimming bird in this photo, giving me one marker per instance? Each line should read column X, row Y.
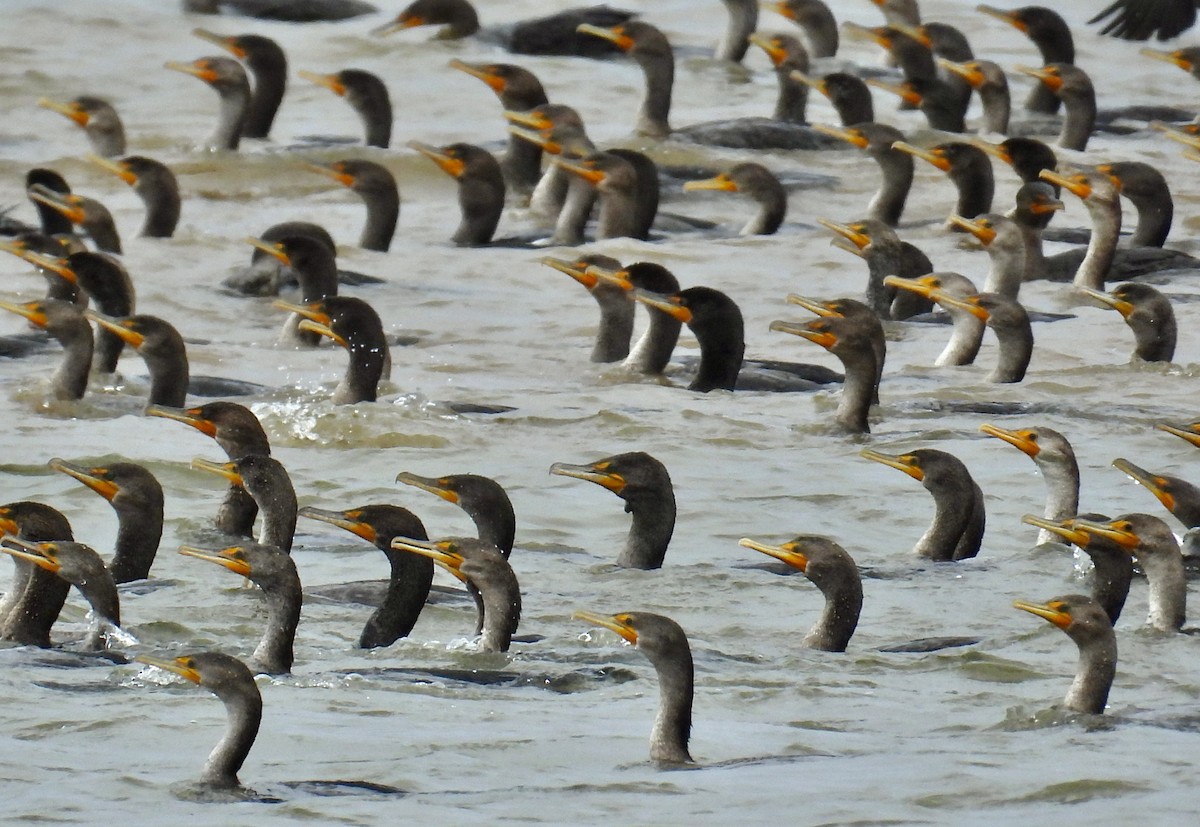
column 851, row 309
column 886, row 256
column 160, row 346
column 1150, row 540
column 519, row 90
column 645, row 485
column 304, row 254
column 155, row 184
column 1027, row 156
column 850, row 96
column 958, row 521
column 759, row 183
column 1052, row 36
column 481, row 566
column 1074, row 88
column 82, row 567
column 480, row 188
column 1004, row 241
column 485, row 501
column 266, row 480
column 967, row 166
column 368, row 97
column 942, row 104
column 1112, row 565
column 664, row 642
column 65, row 322
column 887, row 204
column 137, row 498
column 1177, row 495
column 1011, row 324
column 1148, row 314
column 91, row 216
column 649, row 47
column 268, row 65
column 1085, row 623
column 228, row 79
column 853, row 340
column 554, row 34
column 615, row 330
column 98, row 119
column 274, row 572
column 353, row 324
column 1148, row 191
column 967, row 334
column 32, row 604
column 989, row 80
column 816, row 21
column 376, row 186
column 231, row 681
column 1052, row 453
column 294, row 11
column 411, row 574
column 832, row 570
column 626, row 209
column 240, row 434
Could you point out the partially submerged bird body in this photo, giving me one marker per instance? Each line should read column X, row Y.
column 1089, row 627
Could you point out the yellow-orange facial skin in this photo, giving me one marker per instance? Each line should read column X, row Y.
column 486, row 73
column 443, row 552
column 232, row 558
column 772, row 46
column 1189, row 433
column 855, row 233
column 440, row 486
column 313, row 310
column 584, row 169
column 199, row 68
column 1107, row 170
column 597, row 472
column 69, row 206
column 622, row 624
column 41, row 555
column 1119, row 531
column 184, row 667
column 937, row 157
column 94, row 478
column 1115, row 302
column 1025, row 440
column 70, row 110
column 229, row 44
column 322, row 330
column 271, row 248
column 969, row 304
column 812, row 305
column 926, row 286
column 668, row 304
column 1178, row 58
column 815, row 331
column 981, row 228
column 577, row 270
column 350, row 520
column 1008, row 17
column 903, row 462
column 1048, row 75
column 222, row 469
column 188, row 416
column 34, row 311
column 125, row 328
column 788, row 552
column 782, row 8
column 905, row 91
column 720, row 182
column 1159, row 486
column 118, row 168
column 854, row 137
column 331, row 82
column 447, row 159
column 336, row 171
column 616, row 35
column 1055, row 611
column 1065, row 529
column 970, row 71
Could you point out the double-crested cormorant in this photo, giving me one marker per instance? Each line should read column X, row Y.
column 1027, row 156
column 367, row 95
column 958, row 521
column 968, row 167
column 481, row 566
column 227, row 77
column 852, row 339
column 991, row 83
column 851, row 308
column 666, row 645
column 1055, row 458
column 485, row 501
column 268, row 64
column 1187, row 59
column 309, row 257
column 815, row 19
column 32, row 605
column 155, row 184
column 650, row 48
column 645, row 486
column 831, row 570
column 480, row 188
column 1004, row 241
column 266, row 480
column 98, row 119
column 615, row 330
column 376, row 186
column 1148, row 314
column 877, row 140
column 80, row 566
column 1051, row 34
column 967, row 335
column 1112, row 566
column 717, row 323
column 239, row 433
column 759, row 183
column 1074, row 88
column 1100, row 196
column 1150, row 540
column 940, row 103
column 1147, row 190
column 519, row 90
column 886, row 255
column 848, row 94
column 1036, row 203
column 137, row 498
column 92, row 216
column 272, row 570
column 1085, row 622
column 66, row 323
column 160, row 346
column 1177, row 495
column 1010, row 321
column 1189, row 433
column 554, row 34
column 353, row 324
column 231, row 681
column 625, row 210
column 292, row 11
column 566, row 198
column 411, row 575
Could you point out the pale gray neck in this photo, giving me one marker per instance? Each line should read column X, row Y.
column 71, row 378
column 501, row 611
column 743, row 20
column 1093, row 676
column 1035, row 257
column 1106, row 228
column 576, row 209
column 964, row 342
column 1062, row 496
column 1008, row 269
column 1168, row 589
column 234, row 105
column 997, row 108
column 616, row 324
column 274, row 652
column 1080, row 121
column 653, row 350
column 618, row 215
column 858, row 391
column 673, row 723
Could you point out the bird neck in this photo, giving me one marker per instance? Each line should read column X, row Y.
column 743, row 20
column 821, row 29
column 71, row 378
column 976, row 186
column 1155, row 215
column 162, row 211
column 244, row 714
column 673, row 723
column 1168, row 589
column 616, row 324
column 29, row 621
column 772, row 207
column 235, row 103
column 721, row 351
column 361, row 381
column 275, row 651
column 375, row 110
column 501, row 610
column 1102, row 246
column 576, row 208
column 1112, row 572
column 1080, row 120
column 103, row 232
column 522, row 164
column 1155, row 331
column 1016, row 348
column 997, row 107
column 406, row 593
column 481, row 203
column 792, row 104
column 650, row 533
column 1094, row 675
column 168, row 375
column 653, row 350
column 236, row 513
column 618, row 214
column 858, row 389
column 139, row 530
column 383, row 211
column 1008, row 269
column 495, row 524
column 887, row 204
column 965, row 340
column 270, row 82
column 659, row 70
column 1062, row 495
column 279, row 521
column 839, row 618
